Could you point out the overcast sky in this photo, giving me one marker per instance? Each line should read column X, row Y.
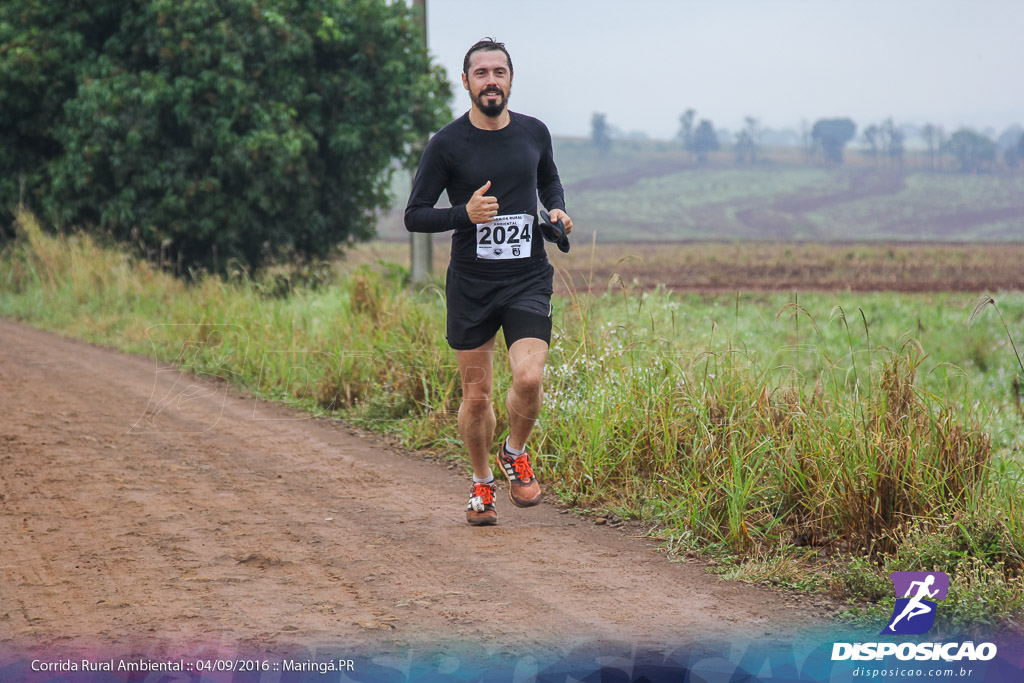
column 643, row 62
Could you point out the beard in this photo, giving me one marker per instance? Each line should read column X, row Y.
column 490, row 109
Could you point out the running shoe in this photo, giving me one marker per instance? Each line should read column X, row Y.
column 480, row 511
column 523, row 489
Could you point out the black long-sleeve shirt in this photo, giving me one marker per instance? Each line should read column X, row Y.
column 460, row 159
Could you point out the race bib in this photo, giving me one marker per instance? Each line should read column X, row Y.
column 506, row 237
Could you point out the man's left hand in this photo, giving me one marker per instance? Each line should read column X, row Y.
column 558, row 215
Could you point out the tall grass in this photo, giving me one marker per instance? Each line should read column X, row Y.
column 750, row 430
column 753, row 455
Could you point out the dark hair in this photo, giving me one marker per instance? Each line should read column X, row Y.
column 486, row 45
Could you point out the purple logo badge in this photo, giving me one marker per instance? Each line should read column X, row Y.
column 914, row 612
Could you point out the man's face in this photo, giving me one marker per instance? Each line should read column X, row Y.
column 489, row 81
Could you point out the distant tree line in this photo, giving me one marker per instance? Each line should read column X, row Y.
column 885, row 142
column 701, row 140
column 748, row 141
column 213, row 131
column 826, row 140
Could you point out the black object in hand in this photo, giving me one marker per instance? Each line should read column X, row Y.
column 554, row 232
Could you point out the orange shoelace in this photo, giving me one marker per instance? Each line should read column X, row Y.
column 523, row 470
column 484, row 492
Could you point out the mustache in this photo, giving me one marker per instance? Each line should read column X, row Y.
column 493, row 91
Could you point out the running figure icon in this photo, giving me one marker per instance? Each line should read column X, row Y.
column 915, row 607
column 914, row 612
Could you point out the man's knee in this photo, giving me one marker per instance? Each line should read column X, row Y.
column 476, row 403
column 528, row 381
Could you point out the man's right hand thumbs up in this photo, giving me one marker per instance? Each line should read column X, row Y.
column 482, row 208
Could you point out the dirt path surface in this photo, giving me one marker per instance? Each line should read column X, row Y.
column 142, row 505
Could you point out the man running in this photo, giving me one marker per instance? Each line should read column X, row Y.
column 493, row 163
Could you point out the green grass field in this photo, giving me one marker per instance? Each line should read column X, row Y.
column 655, row 191
column 815, row 441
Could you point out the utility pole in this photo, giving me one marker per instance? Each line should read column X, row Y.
column 421, row 246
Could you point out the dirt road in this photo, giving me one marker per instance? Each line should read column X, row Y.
column 142, row 507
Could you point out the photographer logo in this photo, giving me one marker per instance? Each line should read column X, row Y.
column 914, row 613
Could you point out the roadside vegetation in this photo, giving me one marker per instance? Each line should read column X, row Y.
column 815, row 442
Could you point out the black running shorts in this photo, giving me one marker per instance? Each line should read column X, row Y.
column 520, row 307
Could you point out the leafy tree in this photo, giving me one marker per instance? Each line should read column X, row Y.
column 930, row 134
column 885, row 140
column 1008, row 138
column 219, row 129
column 807, row 143
column 704, row 140
column 42, row 49
column 685, row 134
column 1009, row 142
column 971, row 149
column 940, row 145
column 831, row 135
column 600, row 135
column 1011, row 158
column 745, row 148
column 872, row 135
column 892, row 138
column 746, row 142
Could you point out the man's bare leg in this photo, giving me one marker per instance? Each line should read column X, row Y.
column 525, row 396
column 476, row 414
column 523, row 401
